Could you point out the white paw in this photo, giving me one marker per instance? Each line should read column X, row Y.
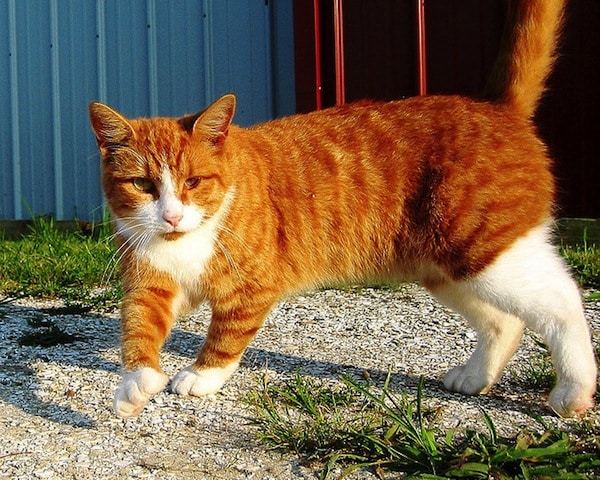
column 569, row 399
column 135, row 390
column 199, row 382
column 467, row 380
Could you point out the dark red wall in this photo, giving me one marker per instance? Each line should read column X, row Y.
column 462, row 41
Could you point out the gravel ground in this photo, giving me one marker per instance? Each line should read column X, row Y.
column 56, row 420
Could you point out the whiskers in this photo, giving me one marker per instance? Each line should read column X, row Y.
column 134, row 234
column 226, row 253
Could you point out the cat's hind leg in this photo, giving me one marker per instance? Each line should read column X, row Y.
column 531, row 282
column 498, row 336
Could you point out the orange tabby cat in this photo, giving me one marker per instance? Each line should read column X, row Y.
column 453, row 192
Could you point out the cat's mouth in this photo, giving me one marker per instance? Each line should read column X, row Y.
column 172, row 236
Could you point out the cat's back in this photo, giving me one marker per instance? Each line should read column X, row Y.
column 398, row 143
column 417, row 124
column 443, row 176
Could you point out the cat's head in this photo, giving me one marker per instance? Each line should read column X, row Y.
column 163, row 177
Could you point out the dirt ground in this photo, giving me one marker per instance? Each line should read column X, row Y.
column 56, row 419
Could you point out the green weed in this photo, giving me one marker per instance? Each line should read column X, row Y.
column 537, row 371
column 584, row 260
column 307, row 417
column 386, row 431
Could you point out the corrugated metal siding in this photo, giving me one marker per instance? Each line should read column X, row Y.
column 143, row 57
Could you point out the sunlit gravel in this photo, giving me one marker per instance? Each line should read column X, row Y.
column 56, row 420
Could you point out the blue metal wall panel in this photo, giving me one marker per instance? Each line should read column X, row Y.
column 283, row 62
column 144, row 57
column 126, row 56
column 181, row 26
column 78, row 190
column 239, row 48
column 32, row 72
column 6, row 147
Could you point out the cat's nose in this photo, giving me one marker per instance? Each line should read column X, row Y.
column 172, row 218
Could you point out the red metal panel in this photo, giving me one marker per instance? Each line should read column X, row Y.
column 338, row 28
column 422, row 48
column 318, row 74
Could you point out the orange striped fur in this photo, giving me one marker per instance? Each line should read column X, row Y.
column 402, row 190
column 438, row 189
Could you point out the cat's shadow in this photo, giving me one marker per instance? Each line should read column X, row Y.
column 20, row 386
column 32, row 337
column 186, row 343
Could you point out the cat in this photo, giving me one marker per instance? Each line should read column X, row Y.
column 453, row 192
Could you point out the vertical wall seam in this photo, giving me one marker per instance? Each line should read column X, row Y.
column 152, row 56
column 269, row 49
column 101, row 51
column 14, row 110
column 209, row 69
column 101, row 67
column 56, row 111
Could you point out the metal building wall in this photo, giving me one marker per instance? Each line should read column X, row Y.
column 143, row 57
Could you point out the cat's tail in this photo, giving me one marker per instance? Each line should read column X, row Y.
column 527, row 53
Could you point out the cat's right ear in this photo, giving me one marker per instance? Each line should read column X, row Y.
column 110, row 127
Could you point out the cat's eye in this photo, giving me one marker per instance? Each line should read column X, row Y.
column 144, row 185
column 192, row 182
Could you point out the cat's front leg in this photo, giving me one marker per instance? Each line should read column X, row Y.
column 136, row 389
column 199, row 381
column 146, row 319
column 229, row 334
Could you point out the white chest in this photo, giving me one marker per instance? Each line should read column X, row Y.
column 183, row 259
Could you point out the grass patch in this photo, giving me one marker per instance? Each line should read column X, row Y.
column 52, row 263
column 308, row 417
column 353, row 426
column 537, row 371
column 584, row 260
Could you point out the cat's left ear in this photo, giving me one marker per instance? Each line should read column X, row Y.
column 214, row 122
